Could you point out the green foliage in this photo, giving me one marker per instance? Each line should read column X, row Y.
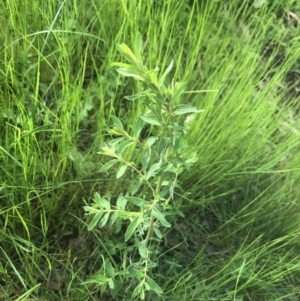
column 161, row 161
column 234, row 215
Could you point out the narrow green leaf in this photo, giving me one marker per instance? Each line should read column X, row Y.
column 115, row 141
column 110, row 152
column 179, row 90
column 138, row 44
column 140, row 95
column 97, row 199
column 130, row 73
column 151, row 140
column 129, row 214
column 121, row 202
column 136, row 201
column 115, row 132
column 126, row 51
column 157, row 233
column 108, row 165
column 163, row 77
column 109, row 268
column 111, row 283
column 137, row 185
column 117, row 122
column 151, row 76
column 157, row 214
column 123, row 145
column 150, row 119
column 104, row 220
column 154, row 286
column 185, row 109
column 165, row 190
column 146, row 156
column 132, row 227
column 105, row 204
column 95, row 221
column 124, row 65
column 152, row 170
column 142, row 250
column 121, row 171
column 184, row 163
column 113, row 218
column 175, row 127
column 133, row 272
column 138, row 127
column 164, row 143
column 98, row 279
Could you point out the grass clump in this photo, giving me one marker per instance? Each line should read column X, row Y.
column 238, row 235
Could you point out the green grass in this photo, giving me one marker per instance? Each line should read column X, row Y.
column 239, row 239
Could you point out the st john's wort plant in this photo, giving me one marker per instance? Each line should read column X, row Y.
column 161, row 159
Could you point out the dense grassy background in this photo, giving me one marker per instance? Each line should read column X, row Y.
column 239, row 239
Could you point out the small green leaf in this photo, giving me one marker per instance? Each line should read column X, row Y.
column 163, row 77
column 111, row 283
column 139, row 95
column 146, row 156
column 154, row 286
column 152, row 170
column 113, row 218
column 184, row 163
column 110, row 152
column 97, row 199
column 185, row 109
column 157, row 232
column 138, row 127
column 138, row 44
column 151, row 76
column 165, row 190
column 150, row 119
column 151, row 140
column 105, row 204
column 133, row 272
column 104, row 220
column 130, row 73
column 98, row 279
column 136, row 201
column 137, row 292
column 176, row 127
column 95, row 221
column 118, row 226
column 117, row 122
column 157, row 214
column 164, row 143
column 129, row 214
column 121, row 171
column 142, row 250
column 125, row 50
column 123, row 145
column 115, row 141
column 132, row 227
column 137, row 185
column 109, row 268
column 121, row 202
column 178, row 90
column 148, row 288
column 115, row 132
column 108, row 165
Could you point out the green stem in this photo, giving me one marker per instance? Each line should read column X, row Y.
column 152, row 220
